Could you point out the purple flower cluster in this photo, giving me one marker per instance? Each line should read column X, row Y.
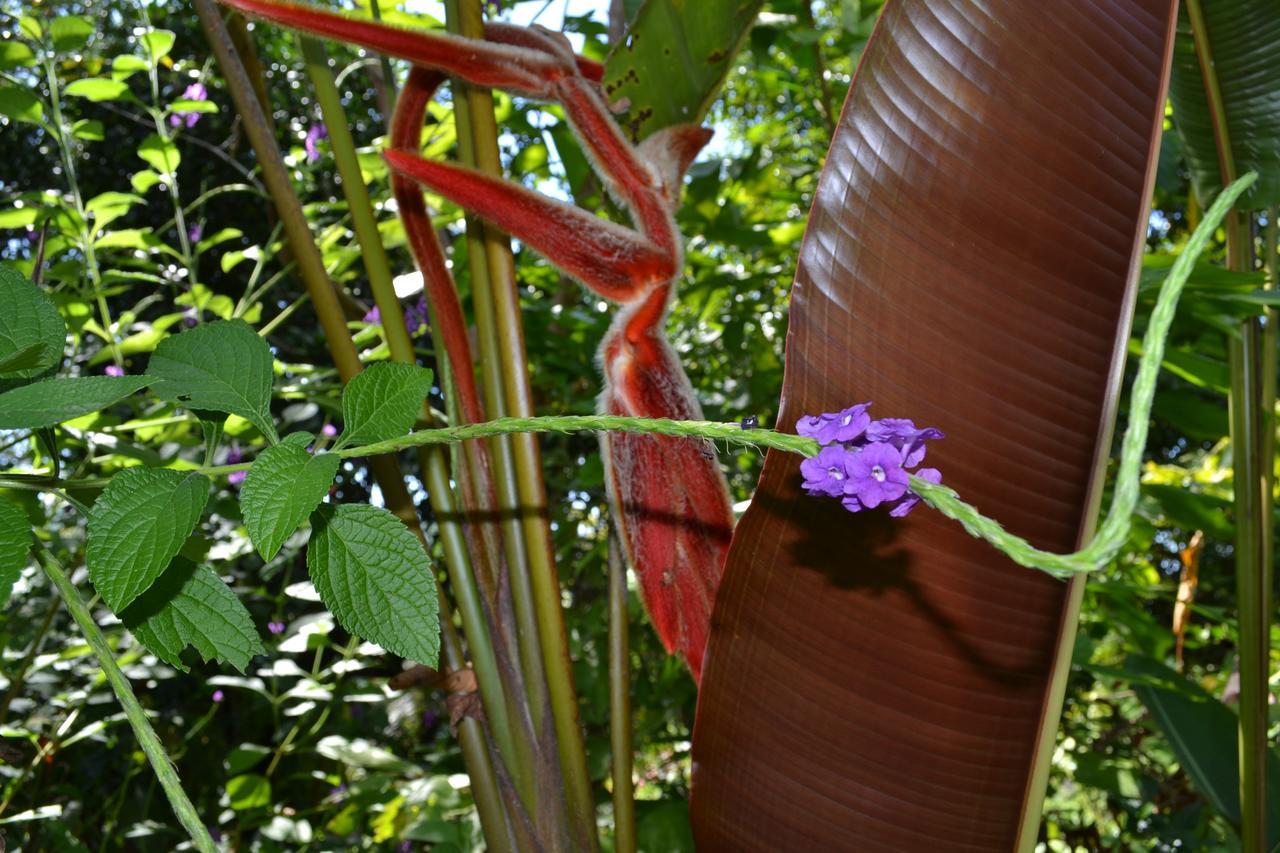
column 310, row 143
column 865, row 462
column 188, row 118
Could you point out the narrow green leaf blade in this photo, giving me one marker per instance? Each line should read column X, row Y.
column 383, row 402
column 15, row 543
column 1244, row 39
column 191, row 606
column 137, row 526
column 32, row 334
column 53, row 401
column 673, row 60
column 373, row 575
column 1202, row 731
column 224, row 366
column 284, row 485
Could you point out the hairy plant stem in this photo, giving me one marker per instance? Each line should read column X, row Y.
column 494, row 820
column 515, row 751
column 165, row 772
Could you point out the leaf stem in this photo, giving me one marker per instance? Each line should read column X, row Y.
column 166, row 773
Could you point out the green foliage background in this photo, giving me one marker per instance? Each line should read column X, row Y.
column 310, row 749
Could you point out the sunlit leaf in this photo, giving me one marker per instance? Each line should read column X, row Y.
column 54, row 401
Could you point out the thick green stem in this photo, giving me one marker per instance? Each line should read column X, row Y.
column 166, row 773
column 624, row 804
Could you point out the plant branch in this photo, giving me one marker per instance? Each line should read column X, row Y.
column 166, row 773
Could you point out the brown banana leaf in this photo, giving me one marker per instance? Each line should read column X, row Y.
column 970, row 262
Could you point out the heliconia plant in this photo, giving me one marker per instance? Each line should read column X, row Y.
column 883, row 665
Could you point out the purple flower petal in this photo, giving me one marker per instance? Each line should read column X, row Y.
column 275, row 627
column 810, row 425
column 910, row 499
column 113, row 370
column 218, row 696
column 826, row 473
column 314, row 134
column 329, row 431
column 235, row 478
column 844, row 426
column 875, row 475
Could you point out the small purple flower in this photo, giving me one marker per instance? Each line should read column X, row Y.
column 338, row 790
column 235, row 455
column 908, row 501
column 875, row 475
column 314, row 134
column 235, row 478
column 113, row 370
column 406, row 847
column 826, row 473
column 373, row 315
column 191, row 317
column 188, row 118
column 195, row 232
column 218, row 696
column 329, row 431
column 902, row 434
column 416, row 318
column 275, row 627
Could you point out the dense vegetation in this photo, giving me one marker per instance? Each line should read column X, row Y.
column 130, row 191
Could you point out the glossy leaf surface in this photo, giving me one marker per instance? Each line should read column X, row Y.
column 880, row 684
column 1244, row 40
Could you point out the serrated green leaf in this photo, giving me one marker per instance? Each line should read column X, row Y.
column 160, row 154
column 189, row 605
column 15, row 543
column 137, row 526
column 157, row 44
column 376, row 579
column 224, row 366
column 54, row 401
column 382, row 402
column 29, row 319
column 97, row 89
column 284, row 485
column 20, row 105
column 70, row 32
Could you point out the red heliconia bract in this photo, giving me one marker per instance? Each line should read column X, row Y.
column 669, row 496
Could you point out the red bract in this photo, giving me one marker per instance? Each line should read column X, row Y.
column 669, row 495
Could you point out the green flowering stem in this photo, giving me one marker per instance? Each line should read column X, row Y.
column 147, row 737
column 1114, row 531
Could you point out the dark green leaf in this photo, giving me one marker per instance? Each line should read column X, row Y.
column 29, row 321
column 284, row 485
column 189, row 605
column 374, row 576
column 1244, row 39
column 53, row 401
column 15, row 544
column 224, row 366
column 382, row 402
column 137, row 525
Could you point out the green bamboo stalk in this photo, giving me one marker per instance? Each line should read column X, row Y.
column 624, row 802
column 165, row 772
column 515, row 751
column 477, row 138
column 1251, row 406
column 338, row 338
column 469, row 103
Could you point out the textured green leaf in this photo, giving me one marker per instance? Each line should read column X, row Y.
column 20, row 105
column 160, row 154
column 98, row 89
column 1202, row 732
column 1244, row 39
column 15, row 542
column 376, row 579
column 54, row 401
column 189, row 605
column 224, row 366
column 70, row 32
column 32, row 334
column 284, row 485
column 675, row 56
column 382, row 402
column 137, row 526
